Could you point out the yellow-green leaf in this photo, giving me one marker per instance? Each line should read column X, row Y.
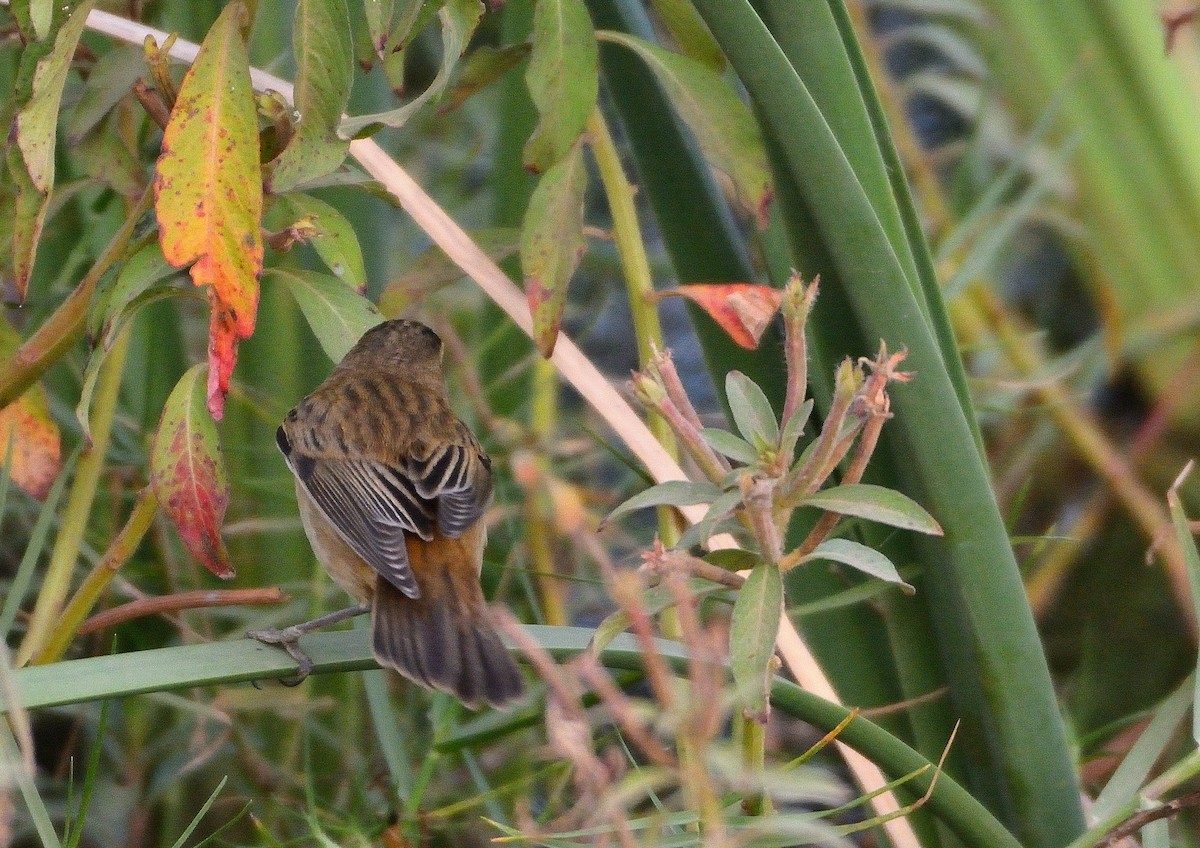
column 37, row 122
column 552, row 244
column 188, row 475
column 562, row 78
column 322, row 45
column 208, row 191
column 690, row 32
column 723, row 125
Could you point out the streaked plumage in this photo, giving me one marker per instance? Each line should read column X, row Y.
column 392, row 487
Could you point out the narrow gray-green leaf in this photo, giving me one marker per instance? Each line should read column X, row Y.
column 723, row 125
column 336, row 313
column 552, row 244
column 334, row 241
column 730, row 445
column 459, row 19
column 752, row 632
column 37, row 122
column 876, row 503
column 671, row 493
column 860, row 557
column 324, row 54
column 793, row 429
column 563, row 79
column 720, row 508
column 751, row 410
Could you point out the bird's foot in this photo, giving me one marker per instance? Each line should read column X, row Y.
column 287, row 638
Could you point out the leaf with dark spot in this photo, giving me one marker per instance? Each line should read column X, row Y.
column 187, row 472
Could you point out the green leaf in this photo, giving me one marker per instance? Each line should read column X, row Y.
column 654, row 600
column 729, row 445
column 324, row 73
column 139, row 272
column 720, row 508
column 459, row 19
column 867, row 560
column 755, row 623
column 337, row 314
column 875, row 503
column 109, row 81
column 563, row 79
column 1191, row 558
column 793, row 429
column 723, row 125
column 485, row 65
column 671, row 493
column 751, row 410
column 28, row 215
column 187, row 472
column 37, row 122
column 690, row 32
column 552, row 244
column 732, row 559
column 335, row 240
column 137, row 285
column 379, row 20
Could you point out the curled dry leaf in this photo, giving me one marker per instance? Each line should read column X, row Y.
column 744, row 310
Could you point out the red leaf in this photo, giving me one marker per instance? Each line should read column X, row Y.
column 222, row 355
column 187, row 472
column 743, row 310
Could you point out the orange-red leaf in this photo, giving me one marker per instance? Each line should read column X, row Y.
column 742, row 309
column 187, row 472
column 208, row 189
column 36, row 456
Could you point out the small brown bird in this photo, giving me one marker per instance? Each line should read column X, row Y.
column 392, row 487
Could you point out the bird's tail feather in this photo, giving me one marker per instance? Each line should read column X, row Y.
column 444, row 643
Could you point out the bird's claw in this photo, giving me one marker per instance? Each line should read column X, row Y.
column 287, row 638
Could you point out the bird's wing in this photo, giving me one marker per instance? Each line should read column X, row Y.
column 457, row 477
column 372, row 505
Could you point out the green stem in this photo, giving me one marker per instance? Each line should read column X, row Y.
column 51, row 341
column 88, row 593
column 754, row 756
column 539, row 507
column 639, row 280
column 48, row 609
